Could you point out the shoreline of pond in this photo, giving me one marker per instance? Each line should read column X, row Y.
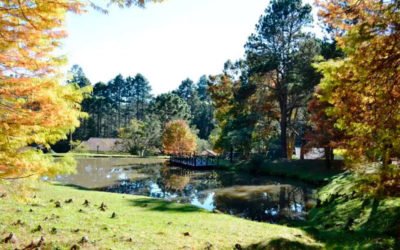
column 315, row 224
column 313, row 172
column 255, row 197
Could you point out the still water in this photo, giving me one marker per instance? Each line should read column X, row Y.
column 240, row 194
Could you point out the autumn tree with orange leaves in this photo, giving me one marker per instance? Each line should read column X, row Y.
column 178, row 139
column 364, row 88
column 35, row 108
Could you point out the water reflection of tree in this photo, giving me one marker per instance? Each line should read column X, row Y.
column 263, row 203
column 258, row 198
column 189, row 185
column 174, row 180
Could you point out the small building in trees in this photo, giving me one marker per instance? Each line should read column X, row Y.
column 103, row 145
column 310, row 154
column 208, row 152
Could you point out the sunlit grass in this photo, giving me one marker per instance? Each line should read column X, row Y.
column 139, row 223
column 349, row 219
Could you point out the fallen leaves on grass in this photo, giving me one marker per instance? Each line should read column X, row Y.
column 84, row 240
column 18, row 223
column 11, row 238
column 86, row 203
column 34, row 245
column 103, row 207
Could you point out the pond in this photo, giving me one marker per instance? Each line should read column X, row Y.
column 253, row 197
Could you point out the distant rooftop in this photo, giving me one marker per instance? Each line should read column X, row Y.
column 103, row 144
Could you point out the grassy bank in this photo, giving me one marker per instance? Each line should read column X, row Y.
column 357, row 224
column 350, row 219
column 106, row 155
column 122, row 159
column 347, row 216
column 57, row 213
column 312, row 171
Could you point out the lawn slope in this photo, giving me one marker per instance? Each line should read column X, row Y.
column 58, row 213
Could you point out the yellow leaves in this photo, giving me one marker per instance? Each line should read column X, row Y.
column 34, row 107
column 33, row 163
column 5, row 126
column 364, row 87
column 178, row 139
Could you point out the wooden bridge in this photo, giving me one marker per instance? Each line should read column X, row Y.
column 198, row 162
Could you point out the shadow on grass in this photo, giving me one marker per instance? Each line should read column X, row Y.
column 311, row 171
column 72, row 186
column 147, row 203
column 354, row 224
column 336, row 239
column 163, row 206
column 282, row 243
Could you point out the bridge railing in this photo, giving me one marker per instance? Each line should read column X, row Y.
column 195, row 161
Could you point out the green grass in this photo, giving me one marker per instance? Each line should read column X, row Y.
column 140, row 223
column 111, row 155
column 357, row 224
column 312, row 171
column 354, row 220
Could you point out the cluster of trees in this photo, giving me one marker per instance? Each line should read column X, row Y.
column 261, row 100
column 362, row 90
column 278, row 96
column 111, row 106
column 125, row 107
column 294, row 89
column 35, row 107
column 360, row 93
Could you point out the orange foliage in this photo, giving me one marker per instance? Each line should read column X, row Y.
column 363, row 89
column 178, row 139
column 34, row 107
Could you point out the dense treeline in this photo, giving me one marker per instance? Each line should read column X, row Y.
column 292, row 89
column 262, row 100
column 112, row 105
column 267, row 103
column 125, row 102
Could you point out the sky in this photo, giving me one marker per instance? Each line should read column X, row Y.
column 166, row 42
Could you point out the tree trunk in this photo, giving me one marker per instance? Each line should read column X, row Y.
column 386, row 157
column 231, row 155
column 70, row 140
column 137, row 109
column 283, row 126
column 303, row 142
column 291, row 145
column 328, row 151
column 119, row 114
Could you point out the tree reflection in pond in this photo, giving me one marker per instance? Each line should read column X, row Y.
column 240, row 194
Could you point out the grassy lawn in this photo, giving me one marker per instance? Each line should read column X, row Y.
column 348, row 219
column 139, row 223
column 126, row 157
column 357, row 224
column 110, row 154
column 312, row 171
column 306, row 170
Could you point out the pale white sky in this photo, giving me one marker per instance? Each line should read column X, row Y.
column 165, row 42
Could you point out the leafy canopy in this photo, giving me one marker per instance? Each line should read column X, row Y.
column 363, row 89
column 35, row 109
column 178, row 138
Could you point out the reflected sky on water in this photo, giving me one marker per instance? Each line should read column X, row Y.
column 253, row 197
